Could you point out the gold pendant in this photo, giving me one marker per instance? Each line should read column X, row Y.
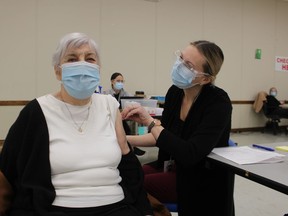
column 80, row 130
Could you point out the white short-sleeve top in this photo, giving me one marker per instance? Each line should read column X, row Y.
column 83, row 164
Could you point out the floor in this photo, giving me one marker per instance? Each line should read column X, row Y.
column 251, row 199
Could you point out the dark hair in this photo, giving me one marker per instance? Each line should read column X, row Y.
column 114, row 75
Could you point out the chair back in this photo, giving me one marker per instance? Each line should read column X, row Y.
column 259, row 101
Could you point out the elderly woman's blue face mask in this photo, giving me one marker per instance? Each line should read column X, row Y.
column 80, row 79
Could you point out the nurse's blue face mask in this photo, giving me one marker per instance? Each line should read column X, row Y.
column 80, row 79
column 182, row 74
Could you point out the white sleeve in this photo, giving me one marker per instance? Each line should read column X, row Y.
column 113, row 106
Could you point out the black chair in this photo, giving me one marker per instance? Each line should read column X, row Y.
column 273, row 121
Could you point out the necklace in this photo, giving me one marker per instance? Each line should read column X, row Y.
column 78, row 126
column 196, row 96
column 186, row 106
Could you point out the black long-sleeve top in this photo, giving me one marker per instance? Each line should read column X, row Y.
column 24, row 161
column 272, row 104
column 201, row 189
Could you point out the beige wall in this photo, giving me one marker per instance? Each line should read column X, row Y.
column 138, row 38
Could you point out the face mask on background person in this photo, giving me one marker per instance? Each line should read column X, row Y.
column 118, row 85
column 80, row 79
column 182, row 77
column 273, row 93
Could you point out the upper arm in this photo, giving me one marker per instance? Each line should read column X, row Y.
column 120, row 133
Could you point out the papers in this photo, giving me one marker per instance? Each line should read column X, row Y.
column 247, row 155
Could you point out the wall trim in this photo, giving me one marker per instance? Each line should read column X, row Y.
column 24, row 102
column 13, row 102
column 234, row 130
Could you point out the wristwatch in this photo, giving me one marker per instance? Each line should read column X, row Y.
column 155, row 122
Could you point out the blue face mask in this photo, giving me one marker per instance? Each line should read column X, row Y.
column 181, row 76
column 118, row 85
column 80, row 79
column 273, row 93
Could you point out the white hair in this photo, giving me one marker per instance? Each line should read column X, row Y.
column 73, row 40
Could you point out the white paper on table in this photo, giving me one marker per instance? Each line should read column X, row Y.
column 248, row 155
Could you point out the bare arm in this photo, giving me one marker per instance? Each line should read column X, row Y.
column 146, row 140
column 139, row 114
column 121, row 136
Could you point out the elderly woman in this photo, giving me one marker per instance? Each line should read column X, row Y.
column 196, row 118
column 67, row 154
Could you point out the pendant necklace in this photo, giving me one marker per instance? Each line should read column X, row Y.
column 78, row 126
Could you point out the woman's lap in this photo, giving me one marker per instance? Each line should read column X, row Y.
column 116, row 209
column 161, row 185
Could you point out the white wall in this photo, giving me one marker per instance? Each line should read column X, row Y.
column 138, row 38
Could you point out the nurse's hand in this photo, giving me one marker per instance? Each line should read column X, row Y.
column 137, row 113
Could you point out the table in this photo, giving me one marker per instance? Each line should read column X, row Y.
column 273, row 175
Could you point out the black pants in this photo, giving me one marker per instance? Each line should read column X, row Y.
column 116, row 209
column 281, row 112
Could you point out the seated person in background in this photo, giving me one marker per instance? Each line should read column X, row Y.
column 274, row 106
column 67, row 153
column 117, row 90
column 117, row 84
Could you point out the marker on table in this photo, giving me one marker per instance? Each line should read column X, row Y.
column 263, row 147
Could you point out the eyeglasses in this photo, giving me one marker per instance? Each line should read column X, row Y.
column 187, row 64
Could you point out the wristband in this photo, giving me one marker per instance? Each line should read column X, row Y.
column 155, row 122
